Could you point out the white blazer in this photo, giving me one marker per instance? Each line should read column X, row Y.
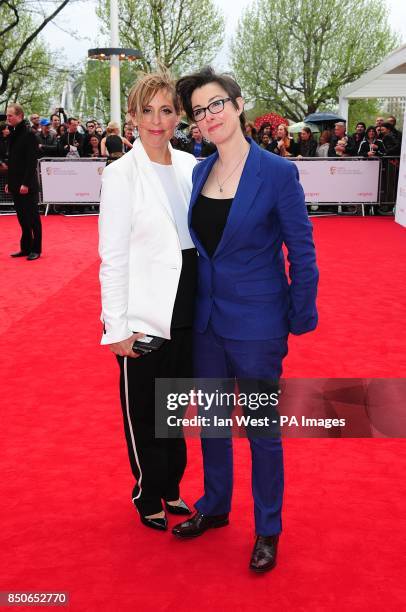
column 140, row 252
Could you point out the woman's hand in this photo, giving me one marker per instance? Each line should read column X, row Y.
column 124, row 348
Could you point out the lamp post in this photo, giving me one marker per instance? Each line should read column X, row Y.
column 115, row 54
column 115, row 106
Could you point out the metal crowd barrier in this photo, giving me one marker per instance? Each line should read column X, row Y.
column 386, row 201
column 387, row 187
column 91, row 184
column 6, row 201
column 389, row 182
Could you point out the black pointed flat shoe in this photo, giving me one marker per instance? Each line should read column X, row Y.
column 161, row 524
column 180, row 508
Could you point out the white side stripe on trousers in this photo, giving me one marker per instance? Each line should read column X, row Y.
column 131, row 428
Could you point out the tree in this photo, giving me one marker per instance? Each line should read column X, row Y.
column 363, row 109
column 25, row 62
column 92, row 88
column 182, row 34
column 295, row 55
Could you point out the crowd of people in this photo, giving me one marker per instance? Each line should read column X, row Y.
column 72, row 139
column 381, row 139
column 60, row 136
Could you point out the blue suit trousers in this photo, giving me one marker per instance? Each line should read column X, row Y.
column 217, row 357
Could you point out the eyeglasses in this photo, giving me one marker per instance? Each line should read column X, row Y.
column 215, row 107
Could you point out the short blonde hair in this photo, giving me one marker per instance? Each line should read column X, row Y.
column 112, row 127
column 147, row 86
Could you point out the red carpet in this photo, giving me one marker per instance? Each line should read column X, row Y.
column 67, row 522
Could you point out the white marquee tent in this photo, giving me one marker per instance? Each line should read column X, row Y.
column 387, row 80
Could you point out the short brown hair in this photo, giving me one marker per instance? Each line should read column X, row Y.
column 147, row 86
column 186, row 86
column 18, row 109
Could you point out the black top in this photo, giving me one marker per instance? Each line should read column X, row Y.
column 209, row 218
column 306, row 148
column 364, row 148
column 114, row 144
column 183, row 309
column 392, row 146
column 49, row 144
column 292, row 148
column 69, row 139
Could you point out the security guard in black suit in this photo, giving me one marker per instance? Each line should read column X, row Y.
column 23, row 183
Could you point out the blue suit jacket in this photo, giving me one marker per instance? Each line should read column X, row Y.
column 243, row 289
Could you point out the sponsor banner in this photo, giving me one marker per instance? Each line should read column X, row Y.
column 400, row 212
column 339, row 180
column 71, row 180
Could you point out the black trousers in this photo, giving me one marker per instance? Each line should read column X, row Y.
column 157, row 464
column 26, row 207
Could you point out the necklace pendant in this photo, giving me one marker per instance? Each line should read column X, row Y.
column 221, row 189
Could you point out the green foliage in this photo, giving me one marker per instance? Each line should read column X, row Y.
column 259, row 109
column 365, row 109
column 181, row 34
column 92, row 89
column 295, row 55
column 167, row 32
column 27, row 73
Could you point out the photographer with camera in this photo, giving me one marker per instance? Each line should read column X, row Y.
column 71, row 143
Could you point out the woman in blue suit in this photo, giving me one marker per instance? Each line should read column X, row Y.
column 245, row 204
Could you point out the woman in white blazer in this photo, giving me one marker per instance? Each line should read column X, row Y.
column 148, row 277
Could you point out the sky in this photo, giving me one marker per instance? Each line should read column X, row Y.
column 81, row 18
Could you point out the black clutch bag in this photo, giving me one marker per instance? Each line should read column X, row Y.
column 147, row 344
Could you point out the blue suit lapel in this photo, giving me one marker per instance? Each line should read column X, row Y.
column 248, row 187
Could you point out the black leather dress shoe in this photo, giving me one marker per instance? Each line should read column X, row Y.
column 180, row 508
column 19, row 254
column 33, row 256
column 264, row 554
column 198, row 524
column 155, row 523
